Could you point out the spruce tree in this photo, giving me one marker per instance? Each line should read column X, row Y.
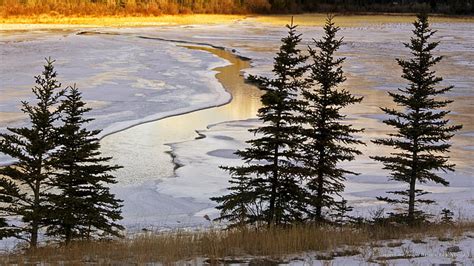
column 23, row 186
column 268, row 180
column 241, row 206
column 329, row 140
column 84, row 205
column 422, row 129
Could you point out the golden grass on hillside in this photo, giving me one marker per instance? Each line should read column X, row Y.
column 45, row 20
column 275, row 242
column 118, row 21
column 126, row 7
column 117, row 13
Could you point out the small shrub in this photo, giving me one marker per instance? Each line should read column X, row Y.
column 394, row 244
column 453, row 249
column 444, row 239
column 345, row 253
column 447, row 216
column 324, row 257
column 418, row 241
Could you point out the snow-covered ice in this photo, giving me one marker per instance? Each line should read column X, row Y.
column 126, row 79
column 131, row 80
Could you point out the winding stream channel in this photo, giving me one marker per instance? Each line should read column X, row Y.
column 143, row 149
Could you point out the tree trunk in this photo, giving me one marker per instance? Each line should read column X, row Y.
column 411, row 200
column 36, row 213
column 411, row 192
column 68, row 234
column 272, row 219
column 319, row 206
column 34, row 235
column 320, row 189
column 321, row 160
column 271, row 215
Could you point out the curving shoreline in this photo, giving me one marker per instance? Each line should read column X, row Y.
column 117, row 127
column 222, row 97
column 148, row 141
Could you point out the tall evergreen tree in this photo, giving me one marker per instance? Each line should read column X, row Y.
column 329, row 140
column 422, row 129
column 23, row 186
column 269, row 177
column 84, row 205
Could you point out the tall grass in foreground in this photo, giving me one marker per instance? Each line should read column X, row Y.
column 273, row 242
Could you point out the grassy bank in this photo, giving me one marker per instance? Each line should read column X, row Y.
column 53, row 21
column 275, row 243
column 119, row 21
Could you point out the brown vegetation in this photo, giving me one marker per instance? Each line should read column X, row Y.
column 217, row 244
column 127, row 7
column 77, row 8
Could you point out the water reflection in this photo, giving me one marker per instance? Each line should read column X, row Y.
column 142, row 150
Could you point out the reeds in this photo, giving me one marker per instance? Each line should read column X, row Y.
column 215, row 244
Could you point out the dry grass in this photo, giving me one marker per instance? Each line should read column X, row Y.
column 155, row 12
column 55, row 20
column 181, row 246
column 110, row 13
column 119, row 21
column 119, row 7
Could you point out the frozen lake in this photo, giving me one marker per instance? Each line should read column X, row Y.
column 130, row 80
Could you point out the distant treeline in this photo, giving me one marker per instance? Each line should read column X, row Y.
column 159, row 7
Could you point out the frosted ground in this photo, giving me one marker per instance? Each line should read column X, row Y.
column 414, row 251
column 130, row 80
